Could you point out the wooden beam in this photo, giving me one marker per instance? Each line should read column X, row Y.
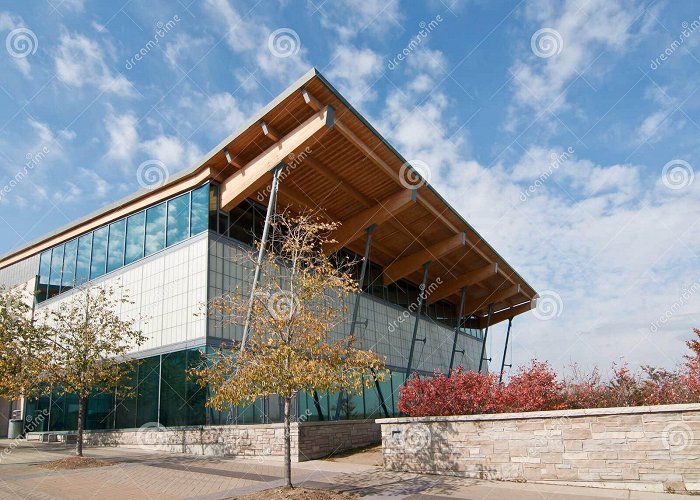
column 354, row 227
column 256, row 173
column 471, row 278
column 230, row 160
column 438, row 215
column 269, row 131
column 406, row 265
column 494, row 297
column 506, row 314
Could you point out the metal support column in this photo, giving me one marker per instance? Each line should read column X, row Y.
column 356, row 307
column 505, row 350
column 261, row 253
column 486, row 334
column 460, row 313
column 421, row 298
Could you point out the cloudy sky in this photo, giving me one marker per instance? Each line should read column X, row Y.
column 566, row 132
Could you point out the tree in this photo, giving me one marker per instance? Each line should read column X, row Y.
column 22, row 353
column 87, row 345
column 298, row 302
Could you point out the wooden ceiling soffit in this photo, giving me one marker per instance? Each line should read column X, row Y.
column 470, row 278
column 505, row 314
column 354, row 227
column 406, row 265
column 255, row 174
column 476, row 305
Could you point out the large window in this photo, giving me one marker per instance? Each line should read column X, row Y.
column 155, row 229
column 135, row 237
column 115, row 250
column 124, row 241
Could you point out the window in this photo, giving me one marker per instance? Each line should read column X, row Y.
column 82, row 268
column 178, row 219
column 56, row 271
column 213, row 206
column 200, row 210
column 135, row 234
column 155, row 229
column 69, row 259
column 115, row 252
column 99, row 252
column 44, row 271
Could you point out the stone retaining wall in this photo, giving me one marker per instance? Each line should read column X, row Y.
column 655, row 448
column 310, row 440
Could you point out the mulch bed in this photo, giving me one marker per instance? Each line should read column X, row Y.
column 297, row 494
column 69, row 463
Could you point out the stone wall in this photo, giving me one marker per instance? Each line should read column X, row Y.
column 655, row 448
column 310, row 440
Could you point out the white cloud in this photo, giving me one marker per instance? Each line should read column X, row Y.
column 611, row 240
column 251, row 37
column 172, row 152
column 9, row 22
column 350, row 18
column 587, row 30
column 183, row 50
column 355, row 71
column 123, row 136
column 80, row 61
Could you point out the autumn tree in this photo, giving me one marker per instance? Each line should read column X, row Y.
column 22, row 342
column 88, row 343
column 289, row 348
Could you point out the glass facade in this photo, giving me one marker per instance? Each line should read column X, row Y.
column 161, row 393
column 122, row 242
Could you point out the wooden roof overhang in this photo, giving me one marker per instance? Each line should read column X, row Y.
column 340, row 165
column 337, row 164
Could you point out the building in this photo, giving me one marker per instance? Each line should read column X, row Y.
column 174, row 247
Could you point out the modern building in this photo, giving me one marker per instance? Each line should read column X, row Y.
column 174, row 246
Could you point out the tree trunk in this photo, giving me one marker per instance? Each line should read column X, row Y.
column 287, row 444
column 81, row 424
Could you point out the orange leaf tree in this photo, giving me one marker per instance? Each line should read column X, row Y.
column 290, row 347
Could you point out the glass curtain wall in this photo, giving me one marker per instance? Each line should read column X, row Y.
column 122, row 242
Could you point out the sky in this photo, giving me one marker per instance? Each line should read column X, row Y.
column 566, row 132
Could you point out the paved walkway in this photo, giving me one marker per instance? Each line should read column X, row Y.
column 143, row 474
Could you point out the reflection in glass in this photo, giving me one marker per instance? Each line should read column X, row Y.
column 115, row 252
column 135, row 234
column 200, row 210
column 178, row 219
column 155, row 229
column 44, row 271
column 69, row 265
column 56, row 268
column 99, row 252
column 82, row 268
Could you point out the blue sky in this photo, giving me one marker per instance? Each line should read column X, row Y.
column 566, row 132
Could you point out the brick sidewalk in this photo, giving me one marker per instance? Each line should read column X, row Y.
column 140, row 474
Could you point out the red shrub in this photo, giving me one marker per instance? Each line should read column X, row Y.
column 462, row 393
column 532, row 388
